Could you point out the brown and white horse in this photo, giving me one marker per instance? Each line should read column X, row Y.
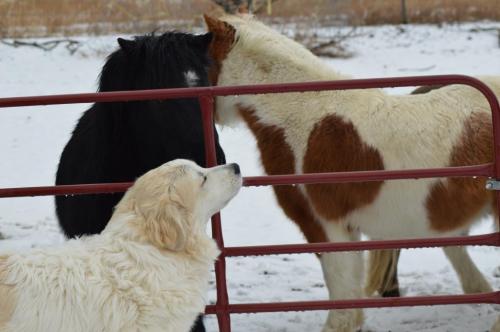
column 335, row 131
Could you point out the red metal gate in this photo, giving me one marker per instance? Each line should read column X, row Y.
column 206, row 96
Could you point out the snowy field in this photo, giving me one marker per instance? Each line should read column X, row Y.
column 31, row 140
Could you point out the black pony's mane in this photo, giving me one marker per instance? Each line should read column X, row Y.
column 156, row 61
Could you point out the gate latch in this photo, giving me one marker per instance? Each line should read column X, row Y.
column 492, row 184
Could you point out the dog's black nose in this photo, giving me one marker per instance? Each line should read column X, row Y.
column 236, row 168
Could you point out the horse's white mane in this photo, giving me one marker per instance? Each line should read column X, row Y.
column 252, row 33
column 254, row 37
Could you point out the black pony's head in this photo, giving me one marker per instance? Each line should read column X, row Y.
column 170, row 60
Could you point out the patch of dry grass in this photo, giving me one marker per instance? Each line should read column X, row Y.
column 66, row 17
column 20, row 18
column 389, row 11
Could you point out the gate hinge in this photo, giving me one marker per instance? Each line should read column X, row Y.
column 492, row 184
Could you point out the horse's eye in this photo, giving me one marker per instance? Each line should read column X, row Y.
column 204, row 180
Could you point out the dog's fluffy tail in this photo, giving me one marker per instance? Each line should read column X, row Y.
column 382, row 266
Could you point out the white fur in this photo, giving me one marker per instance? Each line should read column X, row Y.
column 125, row 279
column 350, row 275
column 414, row 131
column 191, row 78
column 496, row 326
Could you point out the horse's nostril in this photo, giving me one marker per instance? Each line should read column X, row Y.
column 236, row 169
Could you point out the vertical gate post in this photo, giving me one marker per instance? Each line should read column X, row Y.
column 223, row 318
column 495, row 119
column 404, row 14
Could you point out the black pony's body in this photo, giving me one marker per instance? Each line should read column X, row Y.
column 119, row 141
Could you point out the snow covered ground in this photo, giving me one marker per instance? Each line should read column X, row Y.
column 32, row 138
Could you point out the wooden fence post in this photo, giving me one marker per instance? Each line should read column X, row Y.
column 404, row 16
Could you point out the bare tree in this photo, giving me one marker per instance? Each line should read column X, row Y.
column 331, row 46
column 252, row 6
column 232, row 6
column 71, row 45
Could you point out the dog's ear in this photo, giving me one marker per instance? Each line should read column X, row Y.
column 167, row 226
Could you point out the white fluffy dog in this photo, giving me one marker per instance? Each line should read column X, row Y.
column 147, row 271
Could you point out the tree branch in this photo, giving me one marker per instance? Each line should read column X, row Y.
column 71, row 45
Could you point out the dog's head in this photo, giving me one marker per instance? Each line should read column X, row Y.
column 172, row 203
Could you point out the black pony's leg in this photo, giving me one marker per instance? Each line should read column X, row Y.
column 391, row 280
column 198, row 325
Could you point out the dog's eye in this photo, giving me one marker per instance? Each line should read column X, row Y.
column 204, row 180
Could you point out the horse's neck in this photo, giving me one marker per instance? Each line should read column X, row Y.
column 294, row 108
column 275, row 67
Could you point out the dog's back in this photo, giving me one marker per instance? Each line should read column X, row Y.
column 100, row 284
column 117, row 142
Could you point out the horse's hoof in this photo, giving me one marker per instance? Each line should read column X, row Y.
column 391, row 293
column 344, row 321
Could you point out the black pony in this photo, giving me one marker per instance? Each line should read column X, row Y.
column 119, row 141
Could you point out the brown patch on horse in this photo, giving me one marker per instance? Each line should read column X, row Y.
column 7, row 296
column 335, row 146
column 222, row 42
column 425, row 89
column 277, row 158
column 453, row 203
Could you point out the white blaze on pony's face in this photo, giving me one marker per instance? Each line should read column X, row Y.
column 176, row 200
column 192, row 78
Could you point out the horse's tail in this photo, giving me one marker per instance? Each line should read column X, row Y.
column 382, row 273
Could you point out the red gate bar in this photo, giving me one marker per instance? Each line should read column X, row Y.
column 242, row 308
column 67, row 189
column 485, row 170
column 492, row 239
column 195, row 92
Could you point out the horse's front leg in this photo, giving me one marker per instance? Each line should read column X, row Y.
column 471, row 279
column 496, row 326
column 343, row 273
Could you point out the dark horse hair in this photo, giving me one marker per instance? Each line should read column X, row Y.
column 119, row 141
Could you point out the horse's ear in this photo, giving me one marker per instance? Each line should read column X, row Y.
column 212, row 23
column 223, row 34
column 202, row 41
column 217, row 26
column 127, row 45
